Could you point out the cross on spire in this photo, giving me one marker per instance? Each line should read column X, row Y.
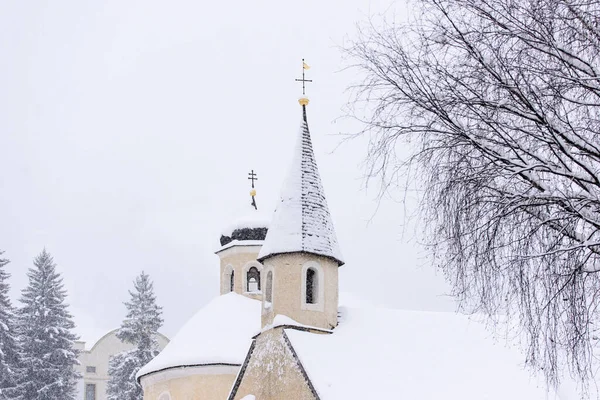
column 304, row 68
column 253, row 177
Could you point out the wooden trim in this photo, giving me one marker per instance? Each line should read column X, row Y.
column 306, row 378
column 238, row 379
column 188, row 366
column 298, row 328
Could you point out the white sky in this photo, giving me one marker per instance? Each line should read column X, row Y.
column 127, row 129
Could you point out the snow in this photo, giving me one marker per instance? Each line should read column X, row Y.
column 284, row 320
column 254, row 219
column 221, row 332
column 240, row 243
column 301, row 222
column 383, row 353
column 249, row 397
column 92, row 337
column 353, row 300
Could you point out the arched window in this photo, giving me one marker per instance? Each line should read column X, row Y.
column 164, row 396
column 228, row 279
column 312, row 286
column 253, row 280
column 269, row 288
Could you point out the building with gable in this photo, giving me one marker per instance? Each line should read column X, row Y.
column 278, row 330
column 93, row 363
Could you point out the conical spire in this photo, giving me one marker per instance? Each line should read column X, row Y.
column 301, row 222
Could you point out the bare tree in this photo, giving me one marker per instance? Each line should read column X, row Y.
column 501, row 101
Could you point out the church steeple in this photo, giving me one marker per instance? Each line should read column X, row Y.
column 300, row 254
column 301, row 222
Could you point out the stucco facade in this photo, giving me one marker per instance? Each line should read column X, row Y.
column 272, row 372
column 289, row 287
column 298, row 279
column 94, row 364
column 210, row 382
column 239, row 258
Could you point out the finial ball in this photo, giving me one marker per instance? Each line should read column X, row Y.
column 253, row 192
column 303, row 101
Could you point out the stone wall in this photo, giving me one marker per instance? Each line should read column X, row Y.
column 236, row 258
column 288, row 297
column 272, row 372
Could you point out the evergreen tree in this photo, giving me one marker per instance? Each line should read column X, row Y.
column 140, row 327
column 122, row 384
column 45, row 327
column 9, row 350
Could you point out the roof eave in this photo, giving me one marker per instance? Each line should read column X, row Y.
column 139, row 378
column 330, row 257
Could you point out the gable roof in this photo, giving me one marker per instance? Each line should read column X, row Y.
column 301, row 222
column 294, row 356
column 220, row 333
column 382, row 353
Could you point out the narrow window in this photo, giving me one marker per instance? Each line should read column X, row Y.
column 311, row 286
column 165, row 396
column 231, row 281
column 253, row 280
column 269, row 288
column 91, row 370
column 90, row 391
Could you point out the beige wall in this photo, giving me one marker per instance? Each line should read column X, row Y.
column 99, row 356
column 288, row 298
column 239, row 258
column 192, row 383
column 272, row 372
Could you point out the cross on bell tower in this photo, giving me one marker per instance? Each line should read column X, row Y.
column 253, row 177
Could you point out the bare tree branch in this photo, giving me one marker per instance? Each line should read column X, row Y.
column 501, row 101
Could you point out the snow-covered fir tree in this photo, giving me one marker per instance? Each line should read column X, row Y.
column 45, row 329
column 9, row 350
column 140, row 327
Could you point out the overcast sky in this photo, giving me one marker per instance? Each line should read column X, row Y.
column 127, row 129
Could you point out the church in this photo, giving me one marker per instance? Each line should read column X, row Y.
column 280, row 331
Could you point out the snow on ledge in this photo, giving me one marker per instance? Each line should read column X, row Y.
column 240, row 243
column 284, row 320
column 248, row 397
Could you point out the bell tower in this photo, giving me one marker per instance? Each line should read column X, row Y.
column 241, row 241
column 300, row 254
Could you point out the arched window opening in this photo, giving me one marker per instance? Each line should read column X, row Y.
column 165, row 396
column 231, row 281
column 253, row 280
column 269, row 288
column 312, row 286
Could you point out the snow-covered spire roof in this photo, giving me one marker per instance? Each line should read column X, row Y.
column 301, row 222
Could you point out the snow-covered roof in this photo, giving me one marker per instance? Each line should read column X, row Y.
column 251, row 220
column 301, row 222
column 284, row 320
column 221, row 332
column 239, row 243
column 394, row 354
